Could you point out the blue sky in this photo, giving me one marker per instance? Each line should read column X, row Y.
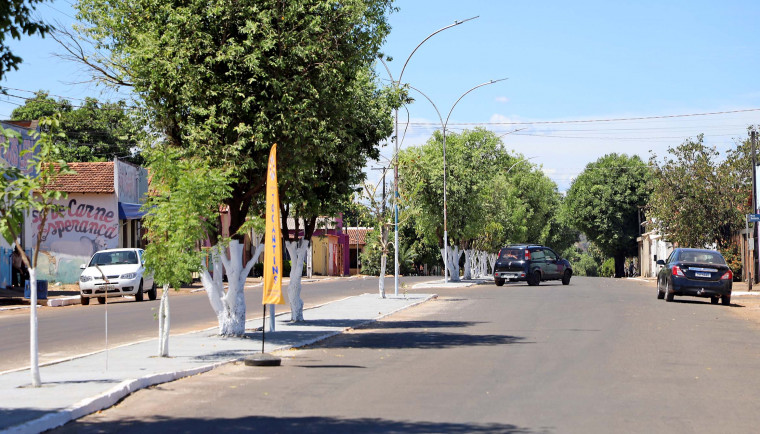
column 566, row 62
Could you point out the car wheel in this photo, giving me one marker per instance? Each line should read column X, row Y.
column 139, row 293
column 499, row 282
column 566, row 277
column 152, row 292
column 668, row 295
column 660, row 294
column 534, row 278
column 726, row 300
column 102, row 300
column 84, row 300
column 714, row 300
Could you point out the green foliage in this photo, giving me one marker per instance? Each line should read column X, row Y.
column 608, row 268
column 585, row 263
column 227, row 80
column 183, row 205
column 95, row 131
column 372, row 254
column 33, row 192
column 603, row 202
column 17, row 18
column 734, row 259
column 700, row 198
column 493, row 198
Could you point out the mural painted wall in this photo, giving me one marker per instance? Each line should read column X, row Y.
column 82, row 225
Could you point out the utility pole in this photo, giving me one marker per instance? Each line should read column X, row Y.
column 753, row 267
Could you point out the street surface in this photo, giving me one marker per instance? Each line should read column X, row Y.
column 72, row 330
column 598, row 356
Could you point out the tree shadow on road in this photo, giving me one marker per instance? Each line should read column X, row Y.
column 416, row 340
column 264, row 424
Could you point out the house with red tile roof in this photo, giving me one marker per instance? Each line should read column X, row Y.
column 101, row 211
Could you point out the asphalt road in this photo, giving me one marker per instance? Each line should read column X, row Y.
column 72, row 330
column 598, row 356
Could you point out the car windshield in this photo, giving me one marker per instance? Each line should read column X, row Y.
column 113, row 258
column 703, row 258
column 510, row 254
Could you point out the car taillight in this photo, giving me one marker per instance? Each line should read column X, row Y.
column 728, row 275
column 527, row 255
column 677, row 271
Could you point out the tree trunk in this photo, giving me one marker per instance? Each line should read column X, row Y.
column 620, row 265
column 229, row 306
column 163, row 323
column 381, row 278
column 297, row 251
column 492, row 258
column 454, row 257
column 33, row 335
column 468, row 258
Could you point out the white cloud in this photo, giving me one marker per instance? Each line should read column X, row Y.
column 502, row 99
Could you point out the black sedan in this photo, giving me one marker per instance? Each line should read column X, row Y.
column 696, row 273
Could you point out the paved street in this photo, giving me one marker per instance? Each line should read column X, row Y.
column 598, row 356
column 72, row 330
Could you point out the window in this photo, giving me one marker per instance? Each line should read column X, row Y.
column 537, row 255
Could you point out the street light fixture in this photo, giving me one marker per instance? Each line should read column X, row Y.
column 397, row 83
column 443, row 125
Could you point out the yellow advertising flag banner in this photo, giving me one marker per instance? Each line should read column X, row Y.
column 273, row 237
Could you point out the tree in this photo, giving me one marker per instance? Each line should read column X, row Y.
column 493, row 197
column 700, row 199
column 95, row 131
column 227, row 80
column 32, row 192
column 182, row 207
column 16, row 19
column 603, row 202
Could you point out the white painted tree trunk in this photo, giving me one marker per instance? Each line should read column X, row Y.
column 297, row 251
column 492, row 260
column 381, row 278
column 468, row 258
column 33, row 335
column 454, row 256
column 229, row 306
column 483, row 264
column 163, row 323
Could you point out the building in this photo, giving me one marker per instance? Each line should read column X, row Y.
column 101, row 211
column 357, row 243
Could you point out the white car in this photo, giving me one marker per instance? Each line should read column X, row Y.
column 113, row 273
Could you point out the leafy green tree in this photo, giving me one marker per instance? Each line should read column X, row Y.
column 182, row 207
column 603, row 202
column 16, row 19
column 227, row 80
column 32, row 192
column 699, row 198
column 95, row 131
column 493, row 197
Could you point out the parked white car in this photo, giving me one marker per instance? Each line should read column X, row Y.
column 114, row 273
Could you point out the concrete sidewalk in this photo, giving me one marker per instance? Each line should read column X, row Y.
column 82, row 385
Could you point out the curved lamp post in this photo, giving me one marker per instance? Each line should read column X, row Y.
column 397, row 83
column 443, row 125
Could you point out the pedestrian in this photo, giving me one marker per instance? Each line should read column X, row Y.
column 630, row 268
column 20, row 274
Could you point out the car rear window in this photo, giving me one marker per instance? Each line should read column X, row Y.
column 511, row 254
column 702, row 258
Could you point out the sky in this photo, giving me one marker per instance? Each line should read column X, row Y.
column 585, row 78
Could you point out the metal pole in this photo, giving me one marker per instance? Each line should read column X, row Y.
column 745, row 258
column 753, row 267
column 395, row 170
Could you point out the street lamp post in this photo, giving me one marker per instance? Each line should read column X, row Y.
column 443, row 125
column 397, row 83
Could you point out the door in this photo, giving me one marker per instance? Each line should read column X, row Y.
column 552, row 268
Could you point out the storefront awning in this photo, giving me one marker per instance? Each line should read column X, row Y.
column 130, row 211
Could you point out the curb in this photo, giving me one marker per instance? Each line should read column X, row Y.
column 125, row 388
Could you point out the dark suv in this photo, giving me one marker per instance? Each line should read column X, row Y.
column 531, row 263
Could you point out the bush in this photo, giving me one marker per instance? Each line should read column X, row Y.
column 258, row 269
column 608, row 268
column 734, row 260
